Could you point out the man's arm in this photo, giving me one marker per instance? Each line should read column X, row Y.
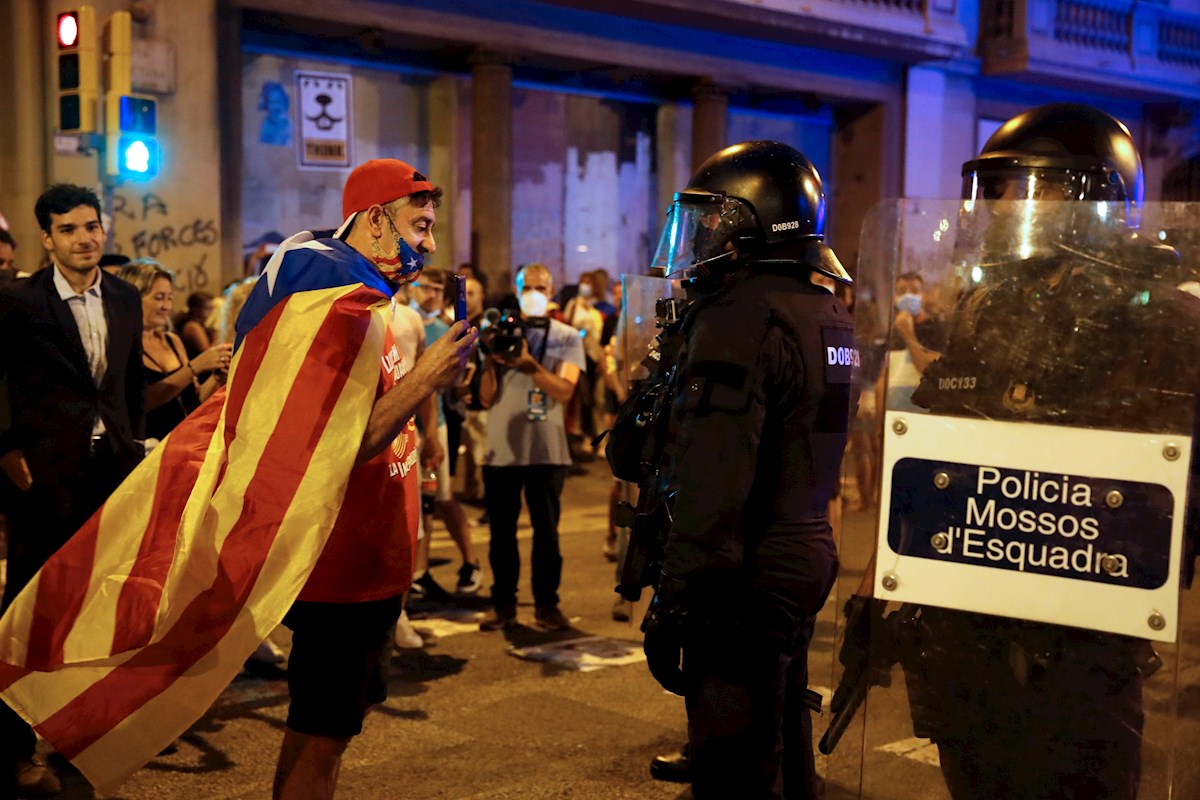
column 922, row 356
column 440, row 366
column 488, row 382
column 560, row 385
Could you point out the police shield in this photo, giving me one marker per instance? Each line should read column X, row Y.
column 647, row 304
column 643, row 353
column 1027, row 552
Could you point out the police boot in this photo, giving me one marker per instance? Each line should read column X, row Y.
column 675, row 768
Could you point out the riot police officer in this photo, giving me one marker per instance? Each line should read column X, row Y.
column 758, row 426
column 1021, row 709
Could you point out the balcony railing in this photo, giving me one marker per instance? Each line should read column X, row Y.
column 1145, row 48
column 920, row 29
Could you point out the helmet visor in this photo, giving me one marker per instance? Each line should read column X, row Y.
column 699, row 226
column 1041, row 184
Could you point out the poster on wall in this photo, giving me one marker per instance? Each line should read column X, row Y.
column 325, row 133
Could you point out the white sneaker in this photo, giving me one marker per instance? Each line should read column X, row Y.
column 407, row 637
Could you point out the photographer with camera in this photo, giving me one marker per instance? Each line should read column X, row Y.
column 533, row 363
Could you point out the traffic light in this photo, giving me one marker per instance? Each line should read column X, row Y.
column 131, row 146
column 130, row 120
column 78, row 70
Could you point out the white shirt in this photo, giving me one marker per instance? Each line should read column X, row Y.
column 88, row 309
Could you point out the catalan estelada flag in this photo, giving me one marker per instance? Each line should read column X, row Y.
column 129, row 632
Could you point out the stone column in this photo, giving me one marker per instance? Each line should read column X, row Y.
column 442, row 169
column 939, row 128
column 673, row 146
column 491, row 168
column 26, row 140
column 710, row 120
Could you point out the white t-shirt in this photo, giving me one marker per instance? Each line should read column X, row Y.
column 513, row 437
column 408, row 329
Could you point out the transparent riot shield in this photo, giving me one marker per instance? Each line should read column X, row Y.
column 642, row 347
column 647, row 303
column 1029, row 625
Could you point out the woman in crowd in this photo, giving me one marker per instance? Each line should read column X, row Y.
column 172, row 388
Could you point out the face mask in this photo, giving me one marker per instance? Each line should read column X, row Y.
column 402, row 267
column 426, row 315
column 910, row 303
column 534, row 304
column 585, row 291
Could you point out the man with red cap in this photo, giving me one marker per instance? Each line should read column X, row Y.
column 291, row 496
column 342, row 619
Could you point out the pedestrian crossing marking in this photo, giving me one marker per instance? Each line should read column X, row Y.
column 914, row 749
column 441, row 627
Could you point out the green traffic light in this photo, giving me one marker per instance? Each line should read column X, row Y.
column 138, row 157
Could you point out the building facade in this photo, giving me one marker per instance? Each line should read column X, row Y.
column 560, row 128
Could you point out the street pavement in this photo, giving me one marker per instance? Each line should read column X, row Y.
column 476, row 716
column 466, row 719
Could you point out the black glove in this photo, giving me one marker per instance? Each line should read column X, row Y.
column 665, row 627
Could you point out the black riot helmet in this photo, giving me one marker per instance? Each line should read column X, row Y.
column 748, row 200
column 1062, row 151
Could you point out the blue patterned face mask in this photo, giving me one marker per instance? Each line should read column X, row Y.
column 910, row 303
column 401, row 268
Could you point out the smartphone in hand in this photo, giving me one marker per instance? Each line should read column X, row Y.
column 460, row 297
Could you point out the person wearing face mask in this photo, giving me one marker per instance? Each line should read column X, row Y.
column 918, row 338
column 581, row 313
column 289, row 496
column 526, row 395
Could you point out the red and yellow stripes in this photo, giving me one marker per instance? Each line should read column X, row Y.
column 127, row 634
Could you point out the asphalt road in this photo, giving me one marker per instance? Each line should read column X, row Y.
column 474, row 715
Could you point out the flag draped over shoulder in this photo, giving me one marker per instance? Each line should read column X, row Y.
column 132, row 629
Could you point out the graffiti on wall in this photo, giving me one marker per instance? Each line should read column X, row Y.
column 180, row 242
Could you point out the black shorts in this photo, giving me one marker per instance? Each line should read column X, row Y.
column 337, row 668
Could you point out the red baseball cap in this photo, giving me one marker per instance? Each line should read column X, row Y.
column 380, row 181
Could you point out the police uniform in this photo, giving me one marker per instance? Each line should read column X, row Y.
column 760, row 422
column 1028, row 710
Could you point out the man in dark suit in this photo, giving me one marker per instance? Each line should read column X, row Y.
column 71, row 368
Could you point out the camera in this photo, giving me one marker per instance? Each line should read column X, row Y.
column 501, row 333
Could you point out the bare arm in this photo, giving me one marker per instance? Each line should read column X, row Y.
column 921, row 356
column 440, row 366
column 487, row 383
column 558, row 385
column 212, row 360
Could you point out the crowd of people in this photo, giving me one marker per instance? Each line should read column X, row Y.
column 766, row 373
column 128, row 364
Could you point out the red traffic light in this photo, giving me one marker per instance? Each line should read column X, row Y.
column 68, row 29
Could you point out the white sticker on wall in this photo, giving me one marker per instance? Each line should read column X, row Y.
column 325, row 124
